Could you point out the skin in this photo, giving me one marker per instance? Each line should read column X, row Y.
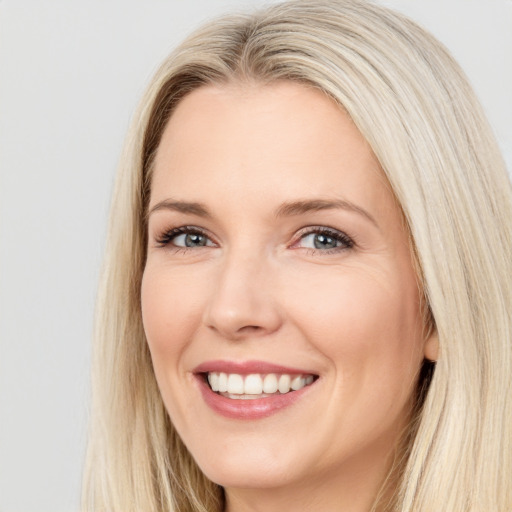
column 260, row 290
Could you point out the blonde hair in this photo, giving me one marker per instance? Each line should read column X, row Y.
column 414, row 106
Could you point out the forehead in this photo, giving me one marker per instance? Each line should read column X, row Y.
column 282, row 138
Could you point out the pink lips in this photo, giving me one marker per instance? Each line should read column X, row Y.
column 245, row 367
column 247, row 409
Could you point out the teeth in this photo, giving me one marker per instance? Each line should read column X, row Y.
column 235, row 384
column 270, row 383
column 253, row 385
column 238, row 386
column 223, row 382
column 284, row 383
column 298, row 383
column 213, row 379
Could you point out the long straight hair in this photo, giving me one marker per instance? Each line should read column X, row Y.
column 414, row 106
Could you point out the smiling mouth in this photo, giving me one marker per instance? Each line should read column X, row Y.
column 253, row 386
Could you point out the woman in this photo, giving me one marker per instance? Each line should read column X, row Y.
column 306, row 299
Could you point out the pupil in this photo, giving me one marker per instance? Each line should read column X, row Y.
column 194, row 240
column 324, row 242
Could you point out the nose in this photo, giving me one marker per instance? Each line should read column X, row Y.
column 243, row 301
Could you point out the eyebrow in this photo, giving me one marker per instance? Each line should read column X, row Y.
column 314, row 205
column 288, row 209
column 181, row 207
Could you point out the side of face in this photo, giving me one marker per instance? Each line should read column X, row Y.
column 274, row 240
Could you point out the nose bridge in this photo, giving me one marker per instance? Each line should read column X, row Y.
column 243, row 299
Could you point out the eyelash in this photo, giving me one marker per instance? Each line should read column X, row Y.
column 346, row 242
column 167, row 237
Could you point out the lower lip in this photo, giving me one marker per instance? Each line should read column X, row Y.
column 251, row 409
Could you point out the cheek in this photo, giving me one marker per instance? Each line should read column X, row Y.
column 170, row 312
column 368, row 325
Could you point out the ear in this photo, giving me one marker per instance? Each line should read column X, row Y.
column 431, row 347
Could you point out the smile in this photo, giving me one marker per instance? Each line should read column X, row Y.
column 253, row 386
column 252, row 390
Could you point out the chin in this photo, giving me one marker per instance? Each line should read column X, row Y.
column 249, row 469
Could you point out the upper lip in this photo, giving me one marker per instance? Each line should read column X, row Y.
column 247, row 367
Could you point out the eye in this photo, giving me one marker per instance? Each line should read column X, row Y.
column 324, row 239
column 186, row 237
column 191, row 240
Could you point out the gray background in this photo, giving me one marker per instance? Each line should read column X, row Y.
column 70, row 75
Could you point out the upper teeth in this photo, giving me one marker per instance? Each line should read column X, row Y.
column 256, row 384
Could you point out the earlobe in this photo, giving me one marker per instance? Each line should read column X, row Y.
column 431, row 348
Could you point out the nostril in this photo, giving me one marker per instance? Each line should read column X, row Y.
column 250, row 328
column 243, row 329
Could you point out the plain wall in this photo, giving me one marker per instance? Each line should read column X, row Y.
column 70, row 77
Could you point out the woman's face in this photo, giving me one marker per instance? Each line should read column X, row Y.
column 278, row 257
